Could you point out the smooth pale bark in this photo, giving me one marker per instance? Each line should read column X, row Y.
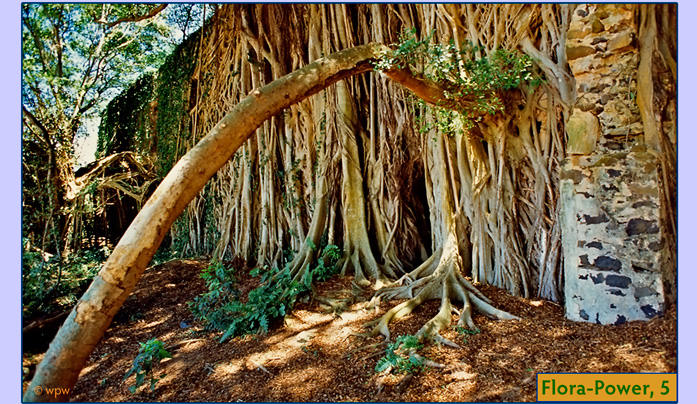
column 644, row 99
column 93, row 313
column 356, row 242
column 91, row 316
column 440, row 276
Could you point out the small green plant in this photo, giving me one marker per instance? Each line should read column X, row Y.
column 326, row 266
column 466, row 332
column 150, row 354
column 50, row 282
column 163, row 254
column 398, row 355
column 221, row 284
column 314, row 352
column 221, row 309
column 135, row 317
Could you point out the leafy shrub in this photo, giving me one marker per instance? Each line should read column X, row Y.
column 397, row 355
column 326, row 267
column 210, row 307
column 466, row 333
column 50, row 283
column 220, row 307
column 150, row 354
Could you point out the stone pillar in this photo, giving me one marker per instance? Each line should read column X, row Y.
column 610, row 203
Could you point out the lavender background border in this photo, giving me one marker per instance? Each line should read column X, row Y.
column 10, row 203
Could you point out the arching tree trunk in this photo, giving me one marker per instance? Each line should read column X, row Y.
column 488, row 198
column 93, row 313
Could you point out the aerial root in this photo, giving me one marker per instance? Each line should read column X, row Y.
column 355, row 261
column 491, row 311
column 422, row 271
column 403, row 309
column 467, row 285
column 335, row 305
column 465, row 319
column 356, row 289
column 365, row 268
column 442, row 320
column 400, row 292
column 404, row 383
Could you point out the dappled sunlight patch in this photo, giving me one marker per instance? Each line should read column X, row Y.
column 559, row 333
column 226, row 370
column 191, row 346
column 118, row 339
column 297, row 383
column 461, row 371
column 89, row 368
column 316, row 355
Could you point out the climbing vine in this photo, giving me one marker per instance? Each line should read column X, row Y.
column 125, row 123
column 172, row 92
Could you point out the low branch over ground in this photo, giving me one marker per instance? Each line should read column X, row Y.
column 92, row 315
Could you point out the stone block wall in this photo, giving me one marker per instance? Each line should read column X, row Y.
column 610, row 202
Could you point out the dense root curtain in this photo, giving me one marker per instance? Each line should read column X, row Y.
column 263, row 203
column 440, row 276
column 93, row 313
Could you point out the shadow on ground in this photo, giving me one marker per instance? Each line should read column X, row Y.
column 316, row 356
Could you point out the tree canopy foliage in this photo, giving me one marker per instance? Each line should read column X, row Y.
column 75, row 57
column 75, row 54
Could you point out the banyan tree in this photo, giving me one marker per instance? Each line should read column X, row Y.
column 436, row 144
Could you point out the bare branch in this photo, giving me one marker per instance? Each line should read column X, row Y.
column 134, row 18
column 34, row 121
column 57, row 25
column 426, row 89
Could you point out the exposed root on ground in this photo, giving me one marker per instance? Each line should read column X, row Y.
column 362, row 261
column 438, row 277
column 340, row 300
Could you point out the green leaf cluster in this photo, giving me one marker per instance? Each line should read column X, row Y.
column 222, row 291
column 73, row 59
column 397, row 355
column 221, row 309
column 466, row 333
column 172, row 92
column 474, row 85
column 150, row 354
column 326, row 266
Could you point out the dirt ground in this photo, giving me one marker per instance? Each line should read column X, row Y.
column 316, row 356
